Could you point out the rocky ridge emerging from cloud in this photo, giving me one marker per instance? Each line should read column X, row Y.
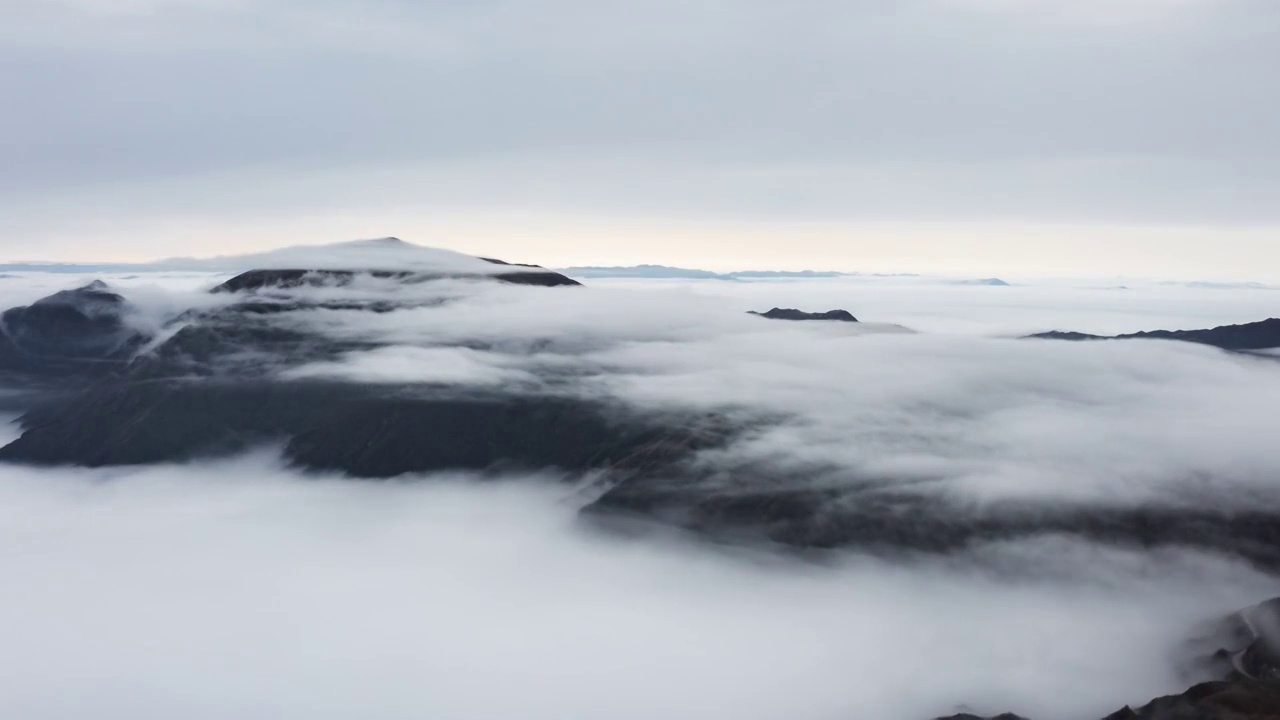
column 1262, row 335
column 808, row 436
column 793, row 314
column 378, row 372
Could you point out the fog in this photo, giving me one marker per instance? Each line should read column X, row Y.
column 981, row 416
column 243, row 588
column 236, row 589
column 1106, row 306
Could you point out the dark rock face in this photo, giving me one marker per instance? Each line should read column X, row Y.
column 1240, row 700
column 539, row 279
column 343, row 427
column 1243, row 646
column 1262, row 335
column 1235, row 668
column 289, row 279
column 824, row 509
column 793, row 314
column 73, row 332
column 213, row 386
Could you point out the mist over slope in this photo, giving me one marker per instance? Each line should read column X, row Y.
column 967, row 517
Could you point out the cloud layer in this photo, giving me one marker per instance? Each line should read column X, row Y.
column 986, row 418
column 238, row 587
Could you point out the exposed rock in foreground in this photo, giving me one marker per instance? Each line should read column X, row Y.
column 793, row 314
column 1263, row 335
column 1235, row 665
column 1238, row 700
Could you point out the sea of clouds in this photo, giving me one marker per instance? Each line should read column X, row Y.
column 242, row 588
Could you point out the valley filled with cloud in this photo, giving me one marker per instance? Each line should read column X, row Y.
column 667, row 508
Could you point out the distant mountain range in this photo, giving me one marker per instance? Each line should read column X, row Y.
column 235, row 264
column 666, row 271
column 85, row 268
column 659, row 272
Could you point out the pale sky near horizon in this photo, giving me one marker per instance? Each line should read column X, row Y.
column 1084, row 137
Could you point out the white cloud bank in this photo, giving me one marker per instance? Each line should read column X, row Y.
column 236, row 590
column 982, row 417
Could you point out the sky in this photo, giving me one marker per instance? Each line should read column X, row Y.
column 1011, row 137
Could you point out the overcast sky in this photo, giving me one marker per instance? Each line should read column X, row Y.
column 993, row 136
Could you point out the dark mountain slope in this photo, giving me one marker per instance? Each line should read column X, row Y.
column 825, row 508
column 73, row 332
column 359, row 430
column 1263, row 335
column 1237, row 674
column 216, row 383
column 288, row 279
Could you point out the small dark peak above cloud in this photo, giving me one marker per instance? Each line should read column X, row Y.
column 68, row 333
column 90, row 298
column 1262, row 335
column 983, row 282
column 794, row 314
column 539, row 279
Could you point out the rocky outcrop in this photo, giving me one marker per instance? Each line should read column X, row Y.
column 71, row 333
column 1239, row 700
column 1243, row 646
column 294, row 278
column 1263, row 335
column 218, row 381
column 826, row 508
column 346, row 427
column 793, row 314
column 1234, row 664
column 214, row 383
